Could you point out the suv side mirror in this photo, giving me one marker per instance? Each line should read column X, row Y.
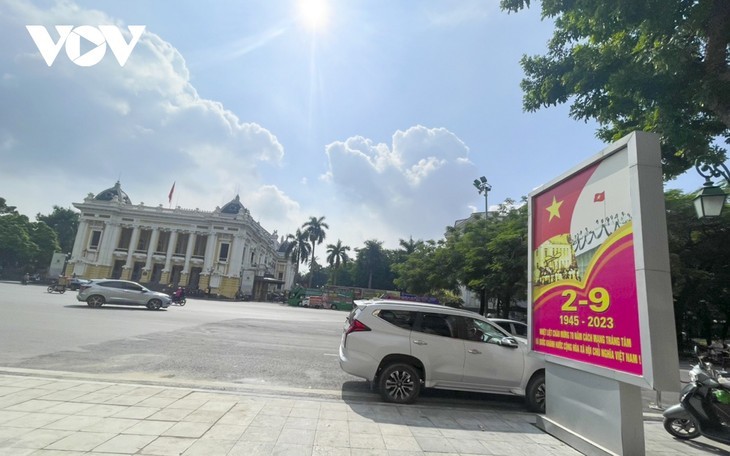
column 509, row 342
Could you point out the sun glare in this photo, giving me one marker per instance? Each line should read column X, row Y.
column 313, row 13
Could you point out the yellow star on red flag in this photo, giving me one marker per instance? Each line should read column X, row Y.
column 554, row 209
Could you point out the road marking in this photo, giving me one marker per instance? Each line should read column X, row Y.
column 331, row 354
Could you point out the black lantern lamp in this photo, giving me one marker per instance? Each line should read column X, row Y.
column 710, row 201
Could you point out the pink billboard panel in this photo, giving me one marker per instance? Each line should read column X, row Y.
column 584, row 299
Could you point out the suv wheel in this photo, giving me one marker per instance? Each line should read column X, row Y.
column 535, row 394
column 399, row 383
column 154, row 304
column 95, row 301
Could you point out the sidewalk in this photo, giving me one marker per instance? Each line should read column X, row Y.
column 63, row 417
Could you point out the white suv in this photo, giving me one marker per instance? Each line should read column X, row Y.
column 401, row 347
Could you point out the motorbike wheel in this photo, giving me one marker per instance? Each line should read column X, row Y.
column 50, row 289
column 682, row 428
column 182, row 302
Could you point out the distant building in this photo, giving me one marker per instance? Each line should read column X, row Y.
column 223, row 252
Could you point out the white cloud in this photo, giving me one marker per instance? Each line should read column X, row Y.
column 143, row 123
column 415, row 187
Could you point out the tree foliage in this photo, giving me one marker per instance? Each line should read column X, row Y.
column 316, row 230
column 699, row 252
column 651, row 65
column 336, row 257
column 64, row 222
column 25, row 246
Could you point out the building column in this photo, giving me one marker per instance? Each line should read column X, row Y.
column 189, row 252
column 170, row 250
column 210, row 252
column 151, row 248
column 79, row 241
column 132, row 246
column 236, row 256
column 110, row 237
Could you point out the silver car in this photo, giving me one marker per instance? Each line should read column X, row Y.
column 402, row 347
column 96, row 293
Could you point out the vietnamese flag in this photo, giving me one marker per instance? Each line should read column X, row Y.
column 598, row 197
column 169, row 196
column 552, row 210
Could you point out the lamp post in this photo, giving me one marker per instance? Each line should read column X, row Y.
column 710, row 201
column 483, row 187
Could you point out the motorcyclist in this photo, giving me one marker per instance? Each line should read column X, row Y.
column 179, row 294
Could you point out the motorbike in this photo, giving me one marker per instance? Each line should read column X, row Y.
column 704, row 405
column 55, row 287
column 178, row 301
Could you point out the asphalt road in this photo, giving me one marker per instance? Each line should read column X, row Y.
column 221, row 344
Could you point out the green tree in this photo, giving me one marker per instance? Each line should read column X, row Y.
column 5, row 209
column 653, row 65
column 316, row 232
column 699, row 252
column 16, row 246
column 46, row 244
column 64, row 222
column 337, row 256
column 372, row 266
column 297, row 249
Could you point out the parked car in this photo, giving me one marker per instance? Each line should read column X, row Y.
column 404, row 347
column 96, row 293
column 514, row 327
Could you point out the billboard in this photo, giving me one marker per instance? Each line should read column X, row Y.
column 599, row 272
column 584, row 297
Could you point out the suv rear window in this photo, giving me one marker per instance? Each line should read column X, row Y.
column 401, row 318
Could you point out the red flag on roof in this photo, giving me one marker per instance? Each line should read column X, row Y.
column 598, row 197
column 169, row 196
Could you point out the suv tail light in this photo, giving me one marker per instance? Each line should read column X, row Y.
column 356, row 326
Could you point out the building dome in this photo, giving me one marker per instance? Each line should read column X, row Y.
column 234, row 207
column 110, row 193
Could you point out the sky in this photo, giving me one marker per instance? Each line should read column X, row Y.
column 376, row 114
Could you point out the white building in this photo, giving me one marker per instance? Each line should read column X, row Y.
column 223, row 252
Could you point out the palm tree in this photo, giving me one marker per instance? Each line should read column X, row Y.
column 410, row 245
column 337, row 255
column 298, row 249
column 372, row 251
column 314, row 228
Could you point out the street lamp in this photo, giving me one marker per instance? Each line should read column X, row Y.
column 483, row 187
column 710, row 201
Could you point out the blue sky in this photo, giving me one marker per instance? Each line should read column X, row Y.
column 378, row 118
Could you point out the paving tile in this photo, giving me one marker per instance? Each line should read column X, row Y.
column 289, row 449
column 18, row 451
column 63, row 395
column 73, row 423
column 333, row 425
column 32, row 405
column 434, row 444
column 225, row 432
column 333, row 451
column 69, row 408
column 12, row 432
column 300, row 423
column 187, row 429
column 157, row 402
column 115, row 425
column 34, row 420
column 149, row 427
column 367, row 441
column 260, row 434
column 8, row 415
column 37, row 438
column 400, row 442
column 139, row 413
column 218, row 406
column 170, row 414
column 210, row 447
column 297, row 436
column 204, row 416
column 125, row 444
column 102, row 410
column 167, row 446
column 333, row 438
column 8, row 390
column 128, row 399
column 273, row 421
column 81, row 441
column 249, row 448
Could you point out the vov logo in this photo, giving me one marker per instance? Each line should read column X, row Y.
column 71, row 36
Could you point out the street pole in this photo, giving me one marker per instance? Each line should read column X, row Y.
column 483, row 186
